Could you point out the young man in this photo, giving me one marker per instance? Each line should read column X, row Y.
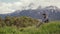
column 44, row 20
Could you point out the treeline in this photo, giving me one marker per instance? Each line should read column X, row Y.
column 22, row 21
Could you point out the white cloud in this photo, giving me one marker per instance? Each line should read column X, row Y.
column 26, row 4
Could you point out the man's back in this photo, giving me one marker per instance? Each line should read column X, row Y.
column 45, row 18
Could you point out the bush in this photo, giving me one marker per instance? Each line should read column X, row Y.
column 22, row 21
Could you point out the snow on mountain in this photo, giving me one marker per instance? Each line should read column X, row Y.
column 52, row 11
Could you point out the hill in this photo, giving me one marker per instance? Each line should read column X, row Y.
column 47, row 28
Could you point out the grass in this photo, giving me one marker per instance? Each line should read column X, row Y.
column 46, row 28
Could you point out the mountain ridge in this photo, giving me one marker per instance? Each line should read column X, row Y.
column 52, row 11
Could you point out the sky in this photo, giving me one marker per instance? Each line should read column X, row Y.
column 9, row 6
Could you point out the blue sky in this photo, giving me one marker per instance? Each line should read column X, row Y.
column 9, row 6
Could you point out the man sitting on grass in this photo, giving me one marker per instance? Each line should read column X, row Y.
column 44, row 20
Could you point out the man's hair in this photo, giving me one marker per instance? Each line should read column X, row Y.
column 44, row 14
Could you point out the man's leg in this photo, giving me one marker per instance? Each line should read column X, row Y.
column 39, row 24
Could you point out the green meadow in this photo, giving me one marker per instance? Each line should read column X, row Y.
column 52, row 27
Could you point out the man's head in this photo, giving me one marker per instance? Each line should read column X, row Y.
column 44, row 14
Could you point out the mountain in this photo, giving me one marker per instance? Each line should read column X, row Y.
column 52, row 11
